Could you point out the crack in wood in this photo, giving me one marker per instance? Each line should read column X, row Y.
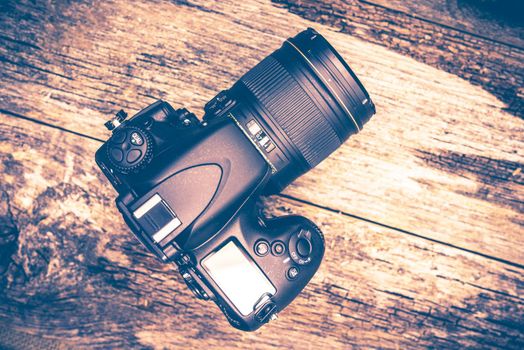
column 496, row 175
column 302, row 201
column 78, row 274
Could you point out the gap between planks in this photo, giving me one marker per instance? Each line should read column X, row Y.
column 447, row 26
column 420, row 166
column 293, row 198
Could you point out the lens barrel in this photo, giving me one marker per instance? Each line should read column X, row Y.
column 311, row 101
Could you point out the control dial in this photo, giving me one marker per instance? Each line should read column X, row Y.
column 129, row 149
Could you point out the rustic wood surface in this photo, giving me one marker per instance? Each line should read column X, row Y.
column 435, row 138
column 469, row 16
column 437, row 33
column 423, row 211
column 77, row 273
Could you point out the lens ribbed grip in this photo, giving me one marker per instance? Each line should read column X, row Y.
column 292, row 109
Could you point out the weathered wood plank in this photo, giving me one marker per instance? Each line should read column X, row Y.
column 440, row 159
column 494, row 65
column 75, row 274
column 496, row 20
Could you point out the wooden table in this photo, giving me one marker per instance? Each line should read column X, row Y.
column 422, row 211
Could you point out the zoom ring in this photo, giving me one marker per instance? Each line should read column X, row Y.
column 292, row 109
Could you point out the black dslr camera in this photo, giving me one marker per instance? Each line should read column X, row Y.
column 187, row 188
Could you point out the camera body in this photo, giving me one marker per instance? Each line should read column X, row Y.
column 188, row 188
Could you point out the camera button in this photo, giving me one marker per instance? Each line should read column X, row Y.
column 304, row 247
column 292, row 273
column 261, row 248
column 269, row 147
column 117, row 154
column 278, row 248
column 133, row 156
column 136, row 139
column 118, row 137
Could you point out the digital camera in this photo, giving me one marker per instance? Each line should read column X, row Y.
column 188, row 188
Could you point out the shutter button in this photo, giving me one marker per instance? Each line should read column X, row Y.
column 303, row 247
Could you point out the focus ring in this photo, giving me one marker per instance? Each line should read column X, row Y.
column 292, row 110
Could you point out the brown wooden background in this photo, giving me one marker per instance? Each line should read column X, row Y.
column 422, row 211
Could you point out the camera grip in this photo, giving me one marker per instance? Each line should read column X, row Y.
column 288, row 249
column 285, row 252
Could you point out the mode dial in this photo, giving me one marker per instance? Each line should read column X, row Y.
column 130, row 149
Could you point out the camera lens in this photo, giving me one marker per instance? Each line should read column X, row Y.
column 309, row 99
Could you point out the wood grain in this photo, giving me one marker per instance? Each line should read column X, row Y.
column 77, row 277
column 440, row 159
column 498, row 22
column 495, row 65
